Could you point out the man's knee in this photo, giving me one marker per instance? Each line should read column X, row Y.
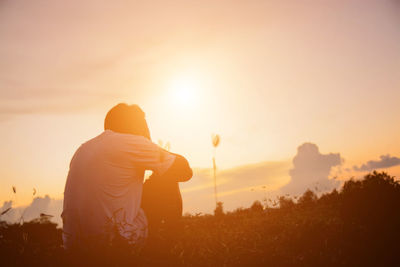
column 161, row 200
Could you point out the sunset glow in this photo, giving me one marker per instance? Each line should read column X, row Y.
column 268, row 77
column 184, row 91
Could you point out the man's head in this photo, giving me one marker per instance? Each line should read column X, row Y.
column 128, row 119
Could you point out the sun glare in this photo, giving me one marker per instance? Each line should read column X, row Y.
column 184, row 91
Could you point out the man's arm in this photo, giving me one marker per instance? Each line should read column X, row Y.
column 163, row 163
column 180, row 170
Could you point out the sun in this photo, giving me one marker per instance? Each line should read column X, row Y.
column 184, row 90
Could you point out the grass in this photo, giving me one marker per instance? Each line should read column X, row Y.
column 356, row 226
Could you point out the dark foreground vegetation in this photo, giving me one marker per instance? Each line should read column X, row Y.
column 356, row 226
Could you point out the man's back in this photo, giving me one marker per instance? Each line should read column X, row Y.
column 104, row 186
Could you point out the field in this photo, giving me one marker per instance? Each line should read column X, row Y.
column 355, row 226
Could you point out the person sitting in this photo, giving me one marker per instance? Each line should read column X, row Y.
column 104, row 196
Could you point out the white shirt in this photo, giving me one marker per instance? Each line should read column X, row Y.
column 104, row 187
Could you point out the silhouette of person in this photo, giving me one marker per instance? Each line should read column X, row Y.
column 104, row 196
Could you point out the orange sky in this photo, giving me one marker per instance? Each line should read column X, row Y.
column 267, row 76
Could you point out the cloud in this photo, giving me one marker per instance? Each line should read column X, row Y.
column 386, row 161
column 311, row 170
column 39, row 205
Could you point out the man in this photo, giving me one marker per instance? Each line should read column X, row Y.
column 103, row 192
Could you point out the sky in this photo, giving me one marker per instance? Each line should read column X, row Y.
column 299, row 91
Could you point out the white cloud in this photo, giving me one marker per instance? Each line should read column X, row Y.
column 311, row 170
column 39, row 205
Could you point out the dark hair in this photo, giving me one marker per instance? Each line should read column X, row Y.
column 128, row 119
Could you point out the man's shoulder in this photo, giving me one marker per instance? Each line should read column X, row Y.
column 124, row 137
column 113, row 139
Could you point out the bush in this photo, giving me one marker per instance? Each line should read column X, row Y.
column 257, row 206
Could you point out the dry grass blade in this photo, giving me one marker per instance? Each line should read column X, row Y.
column 215, row 140
column 160, row 143
column 167, row 146
column 5, row 211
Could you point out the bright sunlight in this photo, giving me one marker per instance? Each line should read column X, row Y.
column 184, row 90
